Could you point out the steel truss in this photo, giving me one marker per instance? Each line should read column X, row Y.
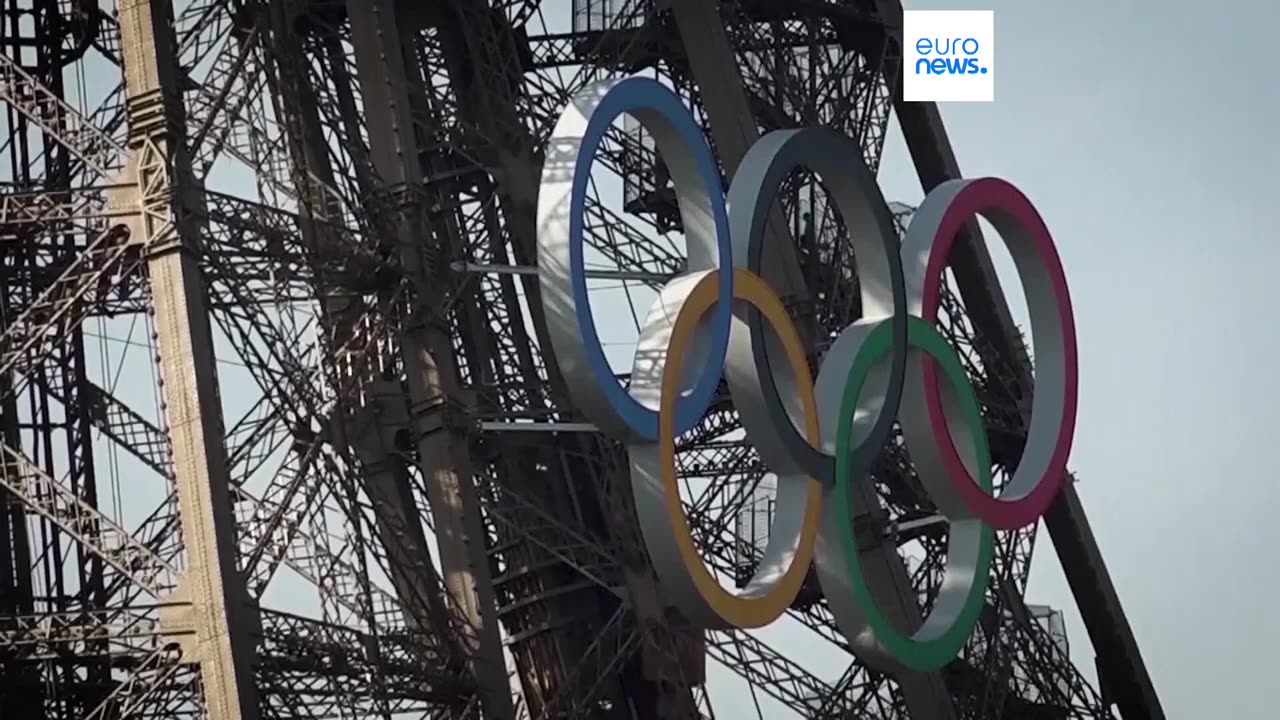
column 335, row 199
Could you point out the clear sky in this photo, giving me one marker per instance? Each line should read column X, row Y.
column 1145, row 134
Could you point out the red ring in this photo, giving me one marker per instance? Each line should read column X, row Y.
column 975, row 197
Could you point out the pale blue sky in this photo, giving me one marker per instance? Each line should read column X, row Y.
column 1143, row 131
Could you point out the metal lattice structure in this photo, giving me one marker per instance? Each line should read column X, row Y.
column 278, row 439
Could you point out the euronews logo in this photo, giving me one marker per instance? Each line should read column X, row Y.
column 952, row 56
column 948, row 56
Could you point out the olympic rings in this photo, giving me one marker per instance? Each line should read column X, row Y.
column 821, row 443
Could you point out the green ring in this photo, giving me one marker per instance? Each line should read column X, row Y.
column 929, row 653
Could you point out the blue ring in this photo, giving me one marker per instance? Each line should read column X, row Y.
column 648, row 94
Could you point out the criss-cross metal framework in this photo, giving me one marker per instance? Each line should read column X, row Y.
column 278, row 439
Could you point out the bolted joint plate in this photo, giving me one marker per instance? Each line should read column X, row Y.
column 384, row 412
column 445, row 414
column 124, row 201
column 146, row 115
column 387, row 411
column 185, row 618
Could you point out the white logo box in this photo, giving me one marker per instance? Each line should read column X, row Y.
column 948, row 56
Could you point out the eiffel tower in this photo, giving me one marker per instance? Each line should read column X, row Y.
column 277, row 435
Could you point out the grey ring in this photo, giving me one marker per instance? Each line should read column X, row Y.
column 768, row 404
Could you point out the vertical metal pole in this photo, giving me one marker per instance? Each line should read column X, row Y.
column 219, row 609
column 443, row 450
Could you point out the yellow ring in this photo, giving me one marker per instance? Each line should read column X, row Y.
column 745, row 610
